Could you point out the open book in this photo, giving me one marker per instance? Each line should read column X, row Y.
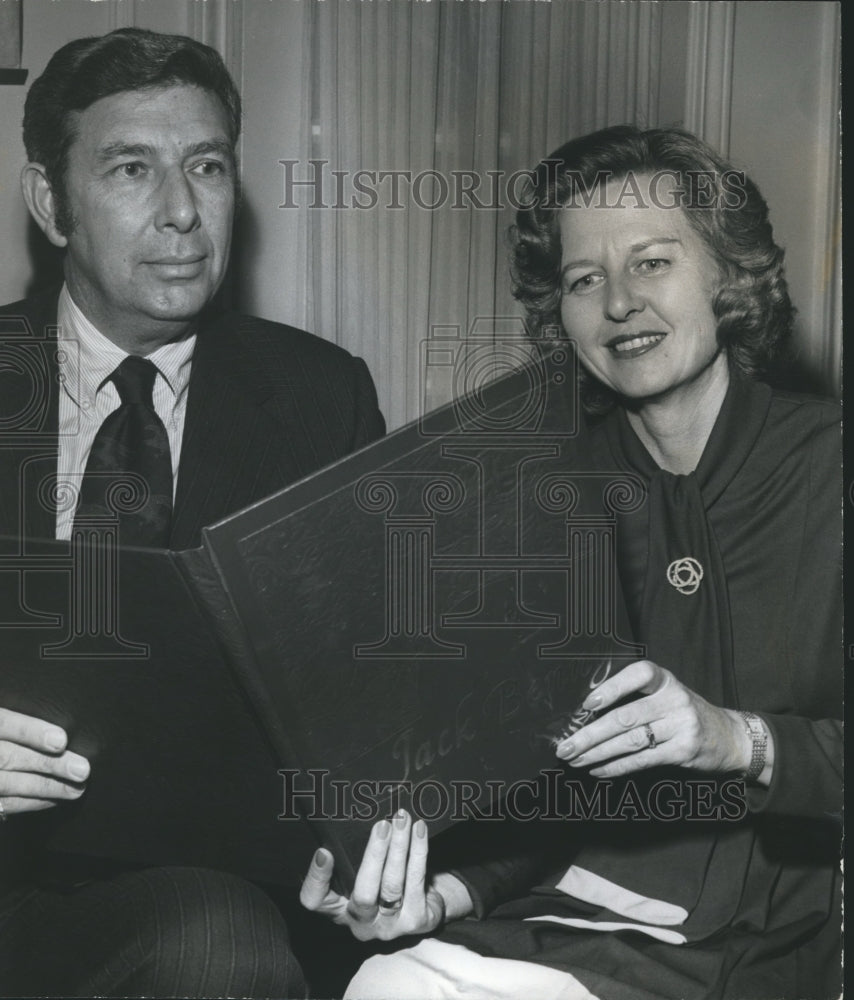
column 413, row 626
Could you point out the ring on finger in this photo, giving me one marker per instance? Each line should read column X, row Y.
column 651, row 742
column 389, row 905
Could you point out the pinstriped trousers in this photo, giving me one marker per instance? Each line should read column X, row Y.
column 163, row 932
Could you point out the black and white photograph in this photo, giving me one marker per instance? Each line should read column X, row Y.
column 421, row 499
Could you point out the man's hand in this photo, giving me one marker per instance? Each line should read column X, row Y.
column 390, row 896
column 36, row 770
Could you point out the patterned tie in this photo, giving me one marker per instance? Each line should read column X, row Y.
column 129, row 471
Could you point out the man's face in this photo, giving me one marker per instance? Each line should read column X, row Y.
column 150, row 185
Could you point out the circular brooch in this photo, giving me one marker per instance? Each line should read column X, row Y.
column 685, row 575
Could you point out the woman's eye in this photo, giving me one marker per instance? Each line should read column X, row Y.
column 583, row 284
column 654, row 265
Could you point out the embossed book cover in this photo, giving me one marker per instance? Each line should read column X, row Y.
column 415, row 625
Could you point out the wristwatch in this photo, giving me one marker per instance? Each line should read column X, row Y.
column 759, row 739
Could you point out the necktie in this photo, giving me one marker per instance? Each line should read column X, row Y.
column 129, row 471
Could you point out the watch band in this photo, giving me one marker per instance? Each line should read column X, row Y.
column 759, row 740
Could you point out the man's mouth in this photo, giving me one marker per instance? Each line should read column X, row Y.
column 178, row 268
column 634, row 344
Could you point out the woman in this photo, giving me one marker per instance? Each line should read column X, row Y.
column 657, row 259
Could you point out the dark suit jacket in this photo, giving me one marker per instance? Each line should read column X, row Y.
column 267, row 405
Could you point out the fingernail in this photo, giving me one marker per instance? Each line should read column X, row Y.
column 54, row 739
column 320, row 858
column 399, row 819
column 79, row 770
column 383, row 829
column 578, row 761
column 594, row 701
column 420, row 829
column 565, row 750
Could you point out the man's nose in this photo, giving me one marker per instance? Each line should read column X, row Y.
column 177, row 208
column 623, row 299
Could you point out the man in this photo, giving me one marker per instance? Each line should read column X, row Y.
column 131, row 142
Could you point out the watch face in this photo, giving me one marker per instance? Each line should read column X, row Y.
column 759, row 739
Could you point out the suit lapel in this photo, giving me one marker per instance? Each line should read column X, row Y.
column 231, row 452
column 29, row 398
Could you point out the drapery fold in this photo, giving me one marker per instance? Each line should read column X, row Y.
column 436, row 108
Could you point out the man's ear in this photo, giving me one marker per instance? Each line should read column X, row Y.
column 38, row 195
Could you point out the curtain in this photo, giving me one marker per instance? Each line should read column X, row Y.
column 469, row 93
column 419, row 118
column 435, row 109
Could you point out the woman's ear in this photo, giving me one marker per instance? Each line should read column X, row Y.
column 40, row 200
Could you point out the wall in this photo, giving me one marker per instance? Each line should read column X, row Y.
column 46, row 27
column 785, row 129
column 724, row 70
column 49, row 24
column 761, row 79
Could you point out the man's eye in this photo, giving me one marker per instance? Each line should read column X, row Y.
column 130, row 170
column 209, row 168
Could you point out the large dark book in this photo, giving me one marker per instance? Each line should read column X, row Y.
column 414, row 625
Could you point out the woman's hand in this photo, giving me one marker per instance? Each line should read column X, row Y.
column 390, row 895
column 669, row 725
column 36, row 770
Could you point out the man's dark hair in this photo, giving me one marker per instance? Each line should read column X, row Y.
column 752, row 307
column 87, row 69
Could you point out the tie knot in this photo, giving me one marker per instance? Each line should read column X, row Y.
column 134, row 379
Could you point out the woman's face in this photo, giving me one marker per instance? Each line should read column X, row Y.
column 636, row 293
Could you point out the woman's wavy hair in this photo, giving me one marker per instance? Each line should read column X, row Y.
column 87, row 69
column 752, row 306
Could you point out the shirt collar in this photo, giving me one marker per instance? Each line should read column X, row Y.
column 89, row 358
